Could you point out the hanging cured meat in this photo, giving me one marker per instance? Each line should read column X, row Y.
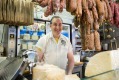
column 109, row 10
column 91, row 42
column 96, row 25
column 43, row 3
column 84, row 4
column 90, row 4
column 97, row 41
column 92, row 19
column 62, row 4
column 16, row 12
column 49, row 9
column 115, row 13
column 79, row 8
column 100, row 9
column 71, row 5
column 87, row 41
column 116, row 17
column 106, row 11
column 55, row 4
column 95, row 14
column 112, row 4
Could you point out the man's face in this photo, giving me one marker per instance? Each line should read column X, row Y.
column 56, row 26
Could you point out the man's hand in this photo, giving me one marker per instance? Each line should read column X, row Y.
column 40, row 54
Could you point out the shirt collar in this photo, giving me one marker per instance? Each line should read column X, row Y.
column 51, row 36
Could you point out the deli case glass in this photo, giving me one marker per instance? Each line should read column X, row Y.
column 109, row 75
column 29, row 35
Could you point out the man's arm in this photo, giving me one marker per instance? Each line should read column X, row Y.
column 70, row 65
column 40, row 54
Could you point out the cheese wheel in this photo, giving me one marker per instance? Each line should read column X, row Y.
column 34, row 37
column 72, row 77
column 24, row 46
column 26, row 37
column 102, row 62
column 30, row 45
column 48, row 72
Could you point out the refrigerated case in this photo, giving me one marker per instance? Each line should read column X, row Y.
column 29, row 35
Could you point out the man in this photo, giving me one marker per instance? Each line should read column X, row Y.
column 55, row 48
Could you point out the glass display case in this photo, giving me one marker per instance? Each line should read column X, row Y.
column 29, row 35
column 109, row 75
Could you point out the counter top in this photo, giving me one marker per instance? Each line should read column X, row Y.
column 2, row 59
column 78, row 63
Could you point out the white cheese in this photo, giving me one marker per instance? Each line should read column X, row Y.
column 35, row 37
column 102, row 62
column 72, row 77
column 26, row 37
column 24, row 46
column 30, row 45
column 48, row 72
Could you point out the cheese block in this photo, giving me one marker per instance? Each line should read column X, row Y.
column 102, row 62
column 24, row 46
column 30, row 44
column 72, row 77
column 48, row 72
column 26, row 37
column 34, row 37
column 21, row 27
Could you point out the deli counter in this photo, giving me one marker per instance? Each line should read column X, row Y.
column 15, row 69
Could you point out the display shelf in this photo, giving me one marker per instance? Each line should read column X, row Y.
column 29, row 40
column 78, row 40
column 26, row 49
column 87, row 50
column 78, row 46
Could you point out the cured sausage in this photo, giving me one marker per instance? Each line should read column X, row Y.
column 97, row 41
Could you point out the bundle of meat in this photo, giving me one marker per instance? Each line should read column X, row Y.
column 52, row 6
column 75, row 8
column 99, row 8
column 89, row 14
column 115, row 13
column 92, row 14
